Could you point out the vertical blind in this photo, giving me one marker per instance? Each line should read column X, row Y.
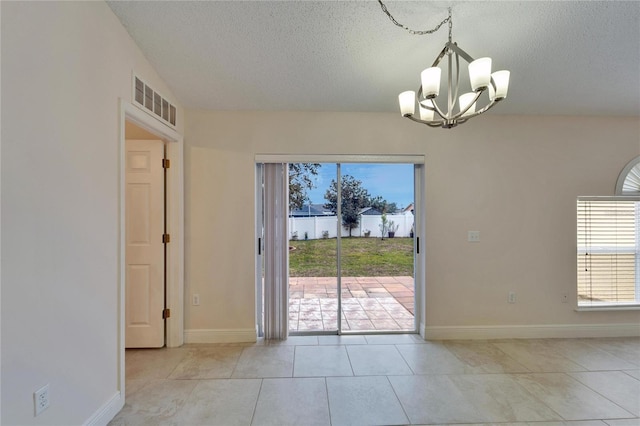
column 276, row 251
column 608, row 251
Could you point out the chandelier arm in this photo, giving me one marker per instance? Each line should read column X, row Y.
column 483, row 110
column 428, row 123
column 458, row 115
column 455, row 96
column 450, row 99
column 434, row 124
column 436, row 108
column 440, row 56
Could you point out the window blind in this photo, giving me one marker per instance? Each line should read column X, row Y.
column 608, row 251
column 276, row 251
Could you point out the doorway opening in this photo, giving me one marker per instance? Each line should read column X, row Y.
column 132, row 117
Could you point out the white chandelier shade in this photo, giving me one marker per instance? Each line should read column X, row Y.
column 459, row 108
column 480, row 73
column 407, row 102
column 501, row 79
column 431, row 82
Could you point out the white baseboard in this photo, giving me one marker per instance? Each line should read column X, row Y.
column 107, row 412
column 529, row 331
column 242, row 335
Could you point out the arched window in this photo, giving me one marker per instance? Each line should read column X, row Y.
column 629, row 179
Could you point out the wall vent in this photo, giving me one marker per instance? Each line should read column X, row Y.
column 153, row 102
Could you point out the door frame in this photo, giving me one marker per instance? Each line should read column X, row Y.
column 174, row 211
column 419, row 263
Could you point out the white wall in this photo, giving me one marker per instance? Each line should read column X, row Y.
column 514, row 179
column 64, row 67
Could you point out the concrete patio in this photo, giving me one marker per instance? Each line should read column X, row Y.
column 368, row 304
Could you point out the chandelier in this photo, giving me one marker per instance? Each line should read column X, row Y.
column 461, row 108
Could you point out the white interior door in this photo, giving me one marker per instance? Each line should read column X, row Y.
column 144, row 210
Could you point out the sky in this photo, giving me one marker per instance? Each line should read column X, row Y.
column 393, row 182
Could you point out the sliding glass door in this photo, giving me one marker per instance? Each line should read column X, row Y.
column 351, row 248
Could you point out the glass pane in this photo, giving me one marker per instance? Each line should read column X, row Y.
column 313, row 288
column 377, row 255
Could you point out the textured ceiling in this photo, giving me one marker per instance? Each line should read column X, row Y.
column 574, row 58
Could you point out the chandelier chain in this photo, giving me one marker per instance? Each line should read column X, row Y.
column 416, row 32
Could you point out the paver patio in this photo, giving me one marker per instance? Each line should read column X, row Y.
column 368, row 303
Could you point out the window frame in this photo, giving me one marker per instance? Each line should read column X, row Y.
column 610, row 306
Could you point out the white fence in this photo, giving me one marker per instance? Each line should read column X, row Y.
column 312, row 228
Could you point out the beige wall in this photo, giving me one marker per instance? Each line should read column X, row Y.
column 515, row 179
column 131, row 131
column 64, row 67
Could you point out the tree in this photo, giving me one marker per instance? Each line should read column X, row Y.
column 384, row 225
column 300, row 181
column 354, row 198
column 382, row 205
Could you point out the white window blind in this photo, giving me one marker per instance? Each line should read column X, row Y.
column 608, row 251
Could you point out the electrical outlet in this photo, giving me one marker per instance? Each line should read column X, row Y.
column 473, row 236
column 512, row 297
column 41, row 399
column 196, row 300
column 564, row 298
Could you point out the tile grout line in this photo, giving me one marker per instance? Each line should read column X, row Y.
column 399, row 400
column 596, row 391
column 255, row 406
column 406, row 362
column 326, row 389
column 349, row 359
column 233, row 370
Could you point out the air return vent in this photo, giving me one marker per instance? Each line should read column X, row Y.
column 153, row 102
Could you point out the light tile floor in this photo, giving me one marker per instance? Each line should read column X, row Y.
column 386, row 380
column 368, row 303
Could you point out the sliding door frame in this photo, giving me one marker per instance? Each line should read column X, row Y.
column 259, row 265
column 419, row 230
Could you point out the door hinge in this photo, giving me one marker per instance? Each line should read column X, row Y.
column 166, row 238
column 166, row 163
column 166, row 313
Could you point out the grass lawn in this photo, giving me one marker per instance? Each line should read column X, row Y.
column 361, row 257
